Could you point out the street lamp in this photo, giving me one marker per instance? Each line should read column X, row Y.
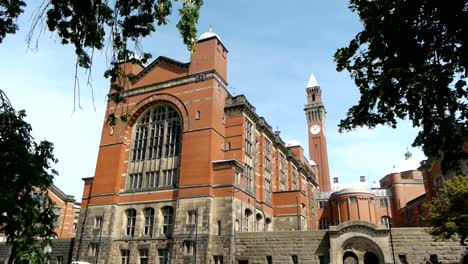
column 47, row 251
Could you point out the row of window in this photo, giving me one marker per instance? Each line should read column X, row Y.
column 153, row 179
column 149, row 216
column 323, row 223
column 353, row 200
column 143, row 255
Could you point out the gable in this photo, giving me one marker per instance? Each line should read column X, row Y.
column 160, row 70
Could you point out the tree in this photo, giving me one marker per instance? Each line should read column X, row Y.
column 26, row 173
column 410, row 61
column 448, row 213
column 90, row 25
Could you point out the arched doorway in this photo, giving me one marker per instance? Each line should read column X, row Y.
column 350, row 258
column 371, row 258
column 362, row 250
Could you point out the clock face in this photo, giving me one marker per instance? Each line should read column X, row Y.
column 315, row 129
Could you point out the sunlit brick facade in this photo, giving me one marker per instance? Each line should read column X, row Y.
column 192, row 167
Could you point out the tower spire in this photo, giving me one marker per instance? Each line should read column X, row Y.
column 312, row 81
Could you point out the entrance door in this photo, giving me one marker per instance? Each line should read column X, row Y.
column 350, row 258
column 371, row 258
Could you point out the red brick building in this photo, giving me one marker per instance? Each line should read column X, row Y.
column 195, row 166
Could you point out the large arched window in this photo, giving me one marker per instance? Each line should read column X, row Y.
column 155, row 150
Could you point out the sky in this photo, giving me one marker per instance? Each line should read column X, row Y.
column 273, row 48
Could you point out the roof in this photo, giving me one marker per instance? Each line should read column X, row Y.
column 312, row 81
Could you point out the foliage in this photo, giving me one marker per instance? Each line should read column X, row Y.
column 448, row 213
column 410, row 61
column 90, row 25
column 25, row 173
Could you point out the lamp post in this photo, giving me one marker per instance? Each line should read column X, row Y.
column 47, row 251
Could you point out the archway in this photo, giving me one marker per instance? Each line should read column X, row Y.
column 350, row 258
column 363, row 249
column 371, row 258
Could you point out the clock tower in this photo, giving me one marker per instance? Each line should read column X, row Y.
column 315, row 114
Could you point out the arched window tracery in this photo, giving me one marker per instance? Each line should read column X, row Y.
column 155, row 150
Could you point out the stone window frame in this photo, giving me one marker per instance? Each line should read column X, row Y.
column 130, row 223
column 218, row 259
column 168, row 221
column 154, row 154
column 92, row 249
column 188, row 247
column 323, row 224
column 353, row 200
column 144, row 255
column 386, row 220
column 125, row 256
column 163, row 255
column 191, row 217
column 98, row 220
column 322, row 204
column 383, row 203
column 149, row 214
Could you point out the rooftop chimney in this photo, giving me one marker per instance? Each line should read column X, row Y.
column 362, row 178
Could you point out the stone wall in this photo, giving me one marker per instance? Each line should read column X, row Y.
column 416, row 245
column 308, row 246
column 61, row 250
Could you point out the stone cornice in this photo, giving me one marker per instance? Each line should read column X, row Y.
column 223, row 164
column 194, row 78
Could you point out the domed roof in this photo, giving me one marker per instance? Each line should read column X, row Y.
column 408, row 164
column 208, row 35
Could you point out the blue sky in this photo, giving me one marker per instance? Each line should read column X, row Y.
column 273, row 48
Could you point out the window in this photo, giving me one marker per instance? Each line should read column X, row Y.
column 323, row 204
column 163, row 255
column 134, row 182
column 191, row 217
column 59, row 260
column 439, row 183
column 283, row 180
column 403, row 259
column 97, row 222
column 155, row 149
column 385, row 221
column 219, row 227
column 125, row 256
column 248, row 213
column 322, row 259
column 57, row 212
column 269, row 259
column 353, row 199
column 323, row 224
column 152, row 179
column 131, row 219
column 197, row 115
column 294, row 259
column 248, row 173
column 188, row 247
column 218, row 259
column 149, row 222
column 92, row 249
column 383, row 202
column 144, row 256
column 168, row 220
column 294, row 177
